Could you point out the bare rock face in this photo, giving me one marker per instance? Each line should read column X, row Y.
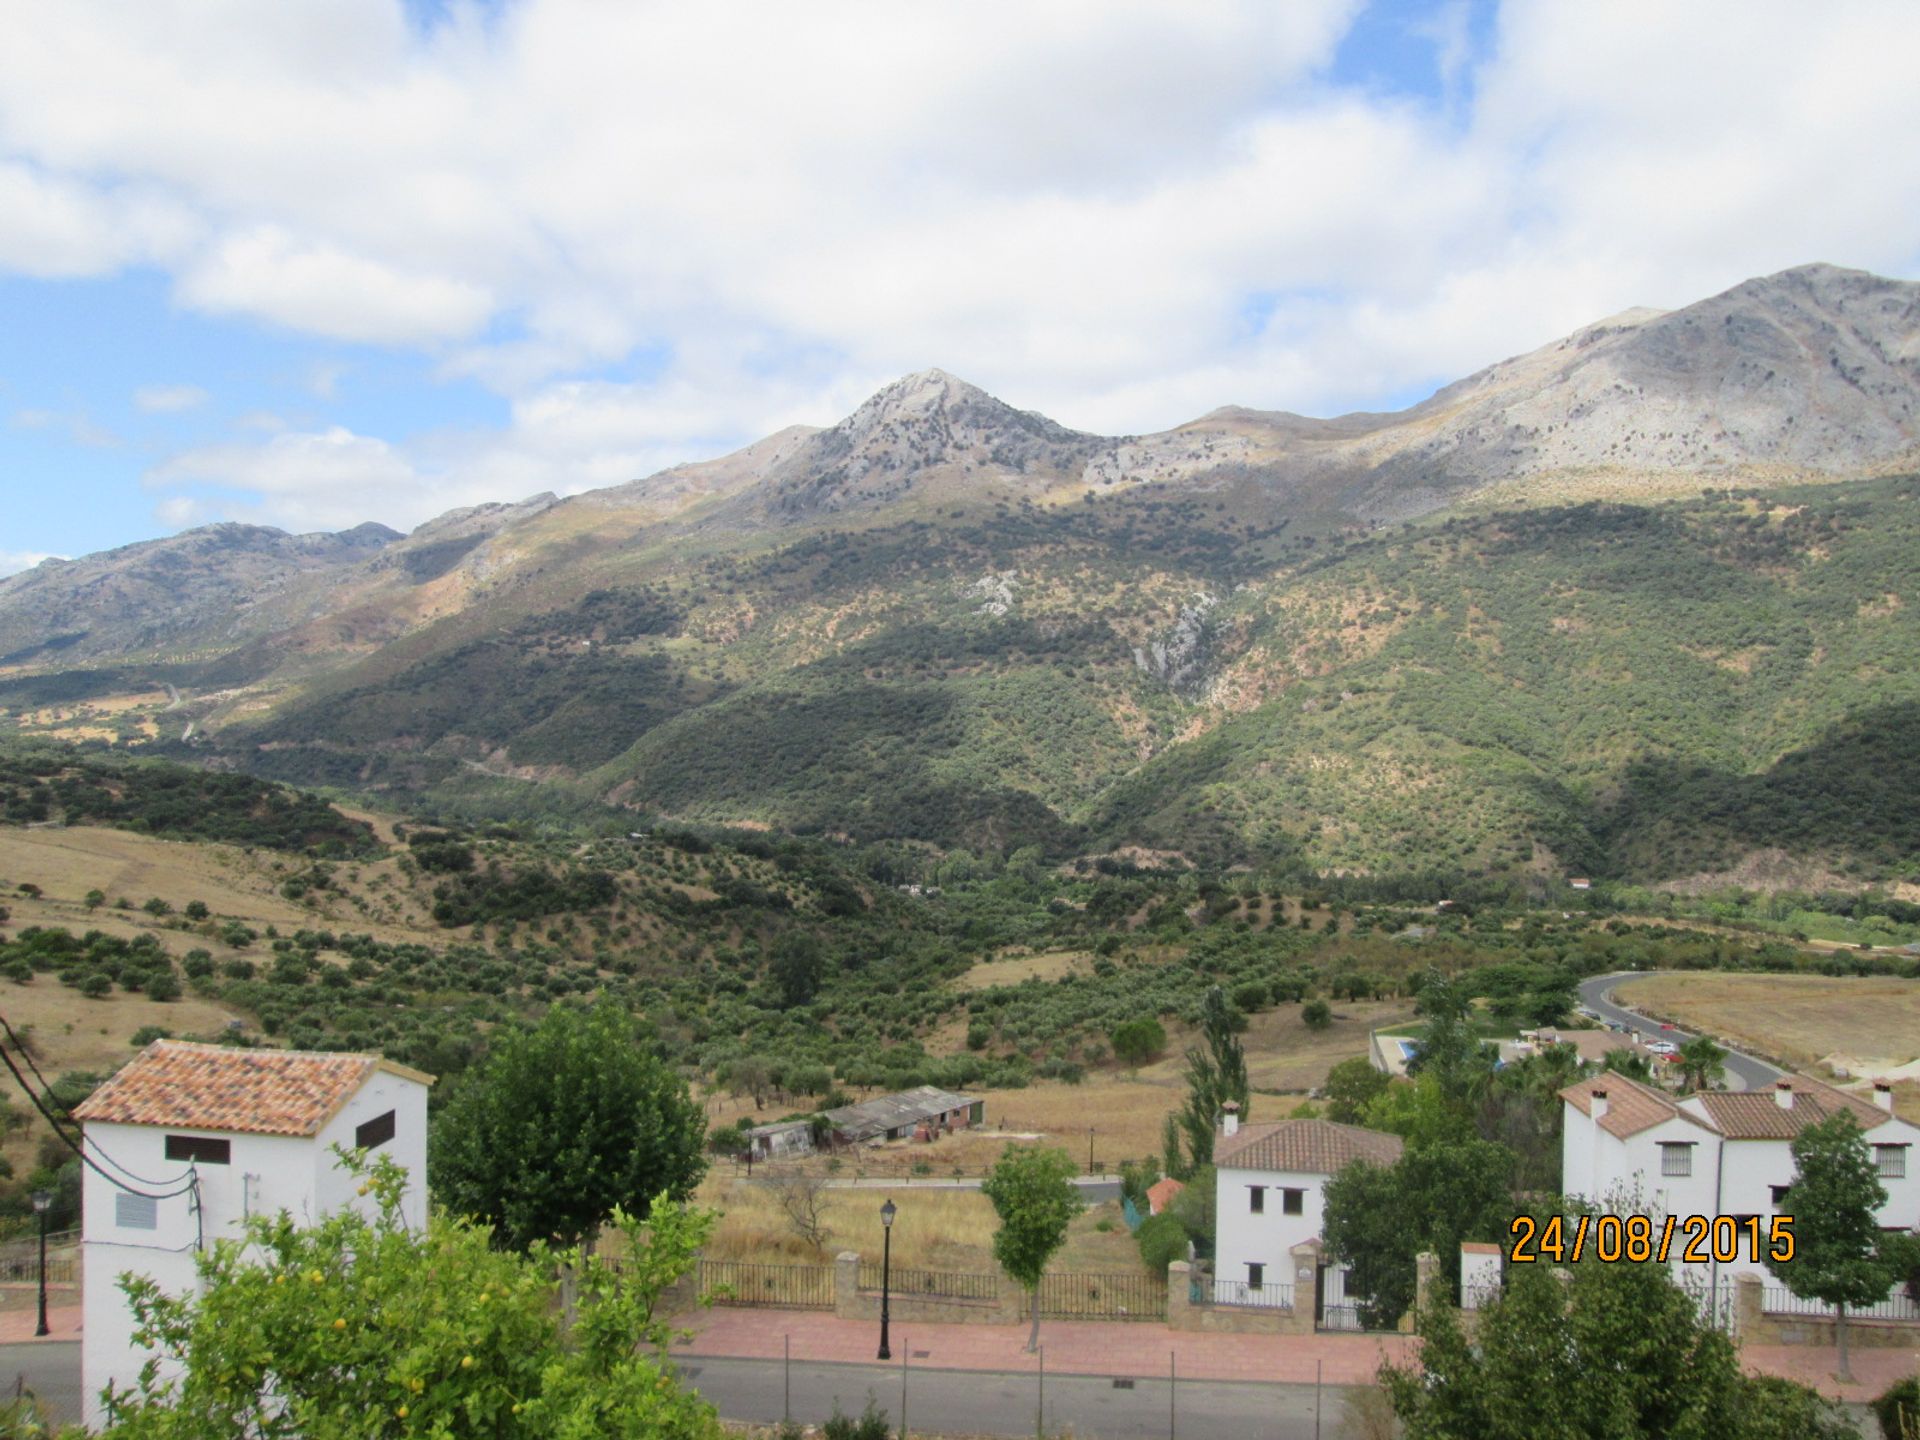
column 926, row 426
column 195, row 586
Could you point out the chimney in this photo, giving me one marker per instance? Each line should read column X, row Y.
column 1783, row 1094
column 1883, row 1095
column 1599, row 1106
column 1230, row 1118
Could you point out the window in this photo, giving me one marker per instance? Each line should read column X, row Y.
column 1779, row 1194
column 136, row 1212
column 1257, row 1199
column 375, row 1133
column 1256, row 1276
column 1890, row 1162
column 1676, row 1158
column 1293, row 1202
column 202, row 1148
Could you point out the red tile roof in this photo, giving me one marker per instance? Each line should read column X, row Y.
column 1735, row 1114
column 1313, row 1147
column 215, row 1087
column 1160, row 1194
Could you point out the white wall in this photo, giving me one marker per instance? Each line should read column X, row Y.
column 1242, row 1237
column 267, row 1174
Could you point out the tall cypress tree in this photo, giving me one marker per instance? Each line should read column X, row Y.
column 1216, row 1072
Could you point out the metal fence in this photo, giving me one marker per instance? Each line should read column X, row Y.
column 781, row 1287
column 1117, row 1296
column 1256, row 1297
column 945, row 1284
column 20, row 1260
column 1778, row 1300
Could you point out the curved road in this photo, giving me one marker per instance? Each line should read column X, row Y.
column 1744, row 1072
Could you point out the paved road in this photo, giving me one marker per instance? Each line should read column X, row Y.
column 959, row 1401
column 1744, row 1072
column 999, row 1403
column 49, row 1368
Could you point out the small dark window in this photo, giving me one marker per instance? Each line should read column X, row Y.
column 1779, row 1194
column 1257, row 1199
column 1256, row 1276
column 375, row 1133
column 201, row 1148
column 1293, row 1202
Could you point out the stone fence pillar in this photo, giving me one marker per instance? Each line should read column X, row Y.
column 1180, row 1312
column 846, row 1285
column 1749, row 1310
column 1426, row 1288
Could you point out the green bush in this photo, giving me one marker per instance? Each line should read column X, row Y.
column 1898, row 1409
column 1317, row 1014
column 1162, row 1240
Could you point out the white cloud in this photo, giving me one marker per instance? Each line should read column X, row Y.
column 12, row 562
column 168, row 399
column 77, row 426
column 1072, row 204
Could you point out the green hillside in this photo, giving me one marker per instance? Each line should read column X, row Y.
column 1624, row 690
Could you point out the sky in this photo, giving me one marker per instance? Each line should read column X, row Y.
column 319, row 262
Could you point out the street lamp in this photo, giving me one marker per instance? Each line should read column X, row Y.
column 43, row 1202
column 887, row 1212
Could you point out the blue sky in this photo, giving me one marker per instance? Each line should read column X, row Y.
column 335, row 260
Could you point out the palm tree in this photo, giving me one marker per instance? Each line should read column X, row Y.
column 1702, row 1063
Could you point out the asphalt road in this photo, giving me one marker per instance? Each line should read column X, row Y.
column 957, row 1401
column 1744, row 1072
column 974, row 1402
column 51, row 1370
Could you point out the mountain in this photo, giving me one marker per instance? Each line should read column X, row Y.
column 1502, row 630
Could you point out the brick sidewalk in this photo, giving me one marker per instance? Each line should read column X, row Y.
column 17, row 1326
column 1087, row 1347
column 1078, row 1347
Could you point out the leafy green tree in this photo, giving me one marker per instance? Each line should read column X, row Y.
column 1618, row 1353
column 1317, row 1014
column 1419, row 1112
column 1378, row 1218
column 1139, row 1040
column 1352, row 1085
column 1841, row 1256
column 1702, row 1063
column 1448, row 1049
column 359, row 1327
column 1032, row 1191
column 1216, row 1072
column 561, row 1124
column 799, row 964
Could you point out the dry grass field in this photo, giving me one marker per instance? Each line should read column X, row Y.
column 1801, row 1020
column 934, row 1229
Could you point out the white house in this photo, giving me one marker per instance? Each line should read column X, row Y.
column 1630, row 1147
column 1269, row 1197
column 189, row 1140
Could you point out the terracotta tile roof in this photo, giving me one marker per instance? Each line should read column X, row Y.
column 1631, row 1106
column 1736, row 1114
column 215, row 1087
column 1757, row 1115
column 1160, row 1194
column 1313, row 1147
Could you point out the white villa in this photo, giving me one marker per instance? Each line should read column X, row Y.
column 1627, row 1146
column 1269, row 1199
column 187, row 1141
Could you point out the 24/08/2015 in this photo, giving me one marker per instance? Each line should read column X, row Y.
column 1642, row 1237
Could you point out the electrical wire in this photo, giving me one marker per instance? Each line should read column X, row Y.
column 47, row 1089
column 193, row 1178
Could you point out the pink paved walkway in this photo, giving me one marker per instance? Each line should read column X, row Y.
column 1087, row 1347
column 18, row 1325
column 1873, row 1370
column 1080, row 1347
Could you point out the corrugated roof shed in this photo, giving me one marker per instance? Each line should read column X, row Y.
column 896, row 1112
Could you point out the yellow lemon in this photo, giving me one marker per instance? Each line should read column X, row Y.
column 339, row 1324
column 401, row 1412
column 466, row 1362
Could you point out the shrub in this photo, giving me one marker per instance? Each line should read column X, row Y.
column 1162, row 1240
column 1898, row 1409
column 1317, row 1014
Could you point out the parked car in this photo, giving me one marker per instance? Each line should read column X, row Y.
column 1663, row 1047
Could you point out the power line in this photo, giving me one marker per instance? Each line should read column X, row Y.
column 47, row 1089
column 193, row 1178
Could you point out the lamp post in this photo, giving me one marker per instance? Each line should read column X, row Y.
column 43, row 1202
column 887, row 1212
